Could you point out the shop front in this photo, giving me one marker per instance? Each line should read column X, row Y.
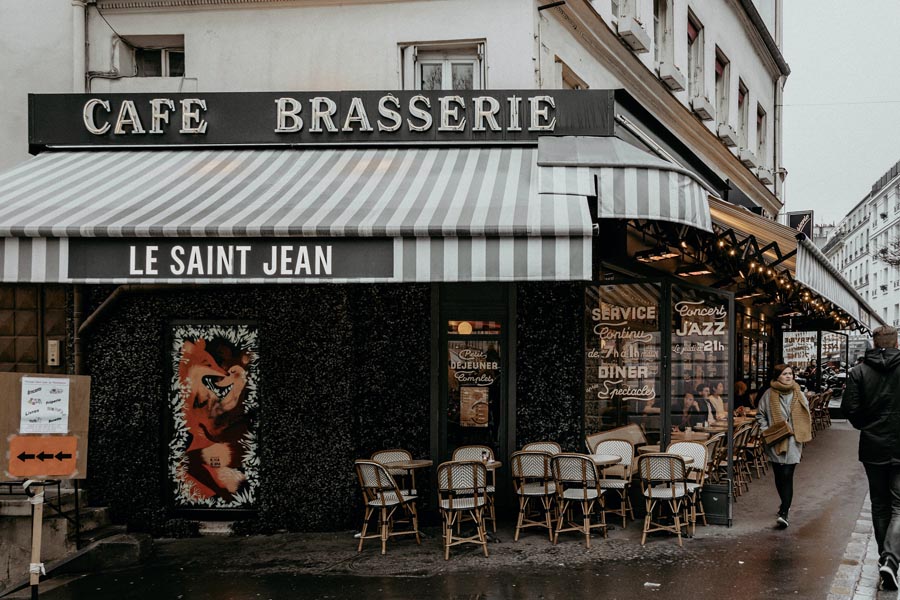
column 265, row 287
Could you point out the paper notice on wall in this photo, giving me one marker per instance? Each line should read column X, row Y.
column 45, row 405
column 474, row 409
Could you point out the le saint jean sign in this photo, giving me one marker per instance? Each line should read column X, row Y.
column 306, row 118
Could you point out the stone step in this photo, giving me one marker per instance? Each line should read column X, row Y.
column 214, row 528
column 94, row 535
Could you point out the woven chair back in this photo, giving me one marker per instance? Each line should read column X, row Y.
column 549, row 447
column 574, row 469
column 376, row 482
column 531, row 464
column 462, row 476
column 695, row 450
column 662, row 468
column 472, row 453
column 621, row 448
column 393, row 455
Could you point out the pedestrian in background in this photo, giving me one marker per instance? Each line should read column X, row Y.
column 872, row 404
column 785, row 402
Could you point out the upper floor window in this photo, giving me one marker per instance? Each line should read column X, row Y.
column 723, row 73
column 761, row 134
column 662, row 31
column 157, row 55
column 743, row 114
column 569, row 80
column 443, row 66
column 695, row 57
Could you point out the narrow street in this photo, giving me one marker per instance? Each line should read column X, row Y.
column 749, row 560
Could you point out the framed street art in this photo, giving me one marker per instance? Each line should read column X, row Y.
column 212, row 413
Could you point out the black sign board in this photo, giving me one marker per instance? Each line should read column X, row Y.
column 309, row 118
column 231, row 258
column 802, row 221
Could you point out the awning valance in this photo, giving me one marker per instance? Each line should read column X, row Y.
column 799, row 256
column 452, row 214
column 628, row 182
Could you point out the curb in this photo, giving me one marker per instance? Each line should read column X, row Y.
column 857, row 576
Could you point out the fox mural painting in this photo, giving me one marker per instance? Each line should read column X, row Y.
column 213, row 405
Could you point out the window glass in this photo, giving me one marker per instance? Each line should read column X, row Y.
column 463, row 76
column 432, row 76
column 622, row 358
column 148, row 62
column 474, row 384
column 176, row 63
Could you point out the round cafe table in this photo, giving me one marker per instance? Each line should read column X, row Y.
column 410, row 466
column 605, row 460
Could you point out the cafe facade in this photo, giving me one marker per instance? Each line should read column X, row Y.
column 266, row 286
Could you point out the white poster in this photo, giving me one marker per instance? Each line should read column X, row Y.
column 45, row 405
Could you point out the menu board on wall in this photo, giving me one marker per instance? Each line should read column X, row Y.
column 701, row 358
column 622, row 356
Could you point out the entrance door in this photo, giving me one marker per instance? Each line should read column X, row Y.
column 473, row 350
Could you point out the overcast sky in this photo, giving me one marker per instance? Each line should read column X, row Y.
column 842, row 101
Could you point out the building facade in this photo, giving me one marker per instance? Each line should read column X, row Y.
column 282, row 235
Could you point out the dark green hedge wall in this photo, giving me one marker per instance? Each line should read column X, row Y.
column 344, row 371
column 550, row 364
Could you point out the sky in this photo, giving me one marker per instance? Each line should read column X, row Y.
column 841, row 123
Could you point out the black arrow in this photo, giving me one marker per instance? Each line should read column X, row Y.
column 60, row 455
column 23, row 457
column 42, row 456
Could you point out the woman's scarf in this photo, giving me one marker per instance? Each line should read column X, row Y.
column 800, row 418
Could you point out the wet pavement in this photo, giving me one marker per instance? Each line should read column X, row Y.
column 749, row 560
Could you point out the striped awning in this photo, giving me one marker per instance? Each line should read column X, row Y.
column 453, row 214
column 801, row 257
column 628, row 182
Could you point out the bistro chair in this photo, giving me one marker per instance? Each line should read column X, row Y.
column 577, row 484
column 533, row 480
column 478, row 453
column 548, row 447
column 663, row 483
column 696, row 477
column 396, row 455
column 714, row 454
column 381, row 494
column 462, row 489
column 618, row 477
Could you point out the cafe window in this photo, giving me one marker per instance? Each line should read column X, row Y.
column 443, row 66
column 623, row 342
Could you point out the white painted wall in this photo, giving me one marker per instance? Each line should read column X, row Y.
column 30, row 63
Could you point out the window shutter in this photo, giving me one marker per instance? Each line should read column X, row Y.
column 692, row 32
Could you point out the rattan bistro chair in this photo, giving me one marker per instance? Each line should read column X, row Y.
column 663, row 481
column 397, row 455
column 577, row 484
column 618, row 477
column 548, row 447
column 476, row 453
column 382, row 495
column 533, row 479
column 696, row 476
column 462, row 489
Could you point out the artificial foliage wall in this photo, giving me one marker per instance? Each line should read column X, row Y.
column 549, row 365
column 343, row 371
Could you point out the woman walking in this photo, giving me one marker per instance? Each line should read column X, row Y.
column 782, row 403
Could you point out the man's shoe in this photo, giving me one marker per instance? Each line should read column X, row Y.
column 888, row 573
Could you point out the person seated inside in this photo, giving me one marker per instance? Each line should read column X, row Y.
column 717, row 398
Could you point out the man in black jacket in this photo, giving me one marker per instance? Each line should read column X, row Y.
column 872, row 403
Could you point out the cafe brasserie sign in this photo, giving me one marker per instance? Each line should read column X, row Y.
column 308, row 118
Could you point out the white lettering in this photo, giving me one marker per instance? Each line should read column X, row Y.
column 539, row 112
column 88, row 115
column 388, row 113
column 243, row 250
column 419, row 113
column 482, row 113
column 128, row 115
column 287, row 115
column 448, row 112
column 514, row 103
column 270, row 267
column 191, row 121
column 320, row 115
column 177, row 267
column 195, row 262
column 323, row 260
column 357, row 114
column 158, row 116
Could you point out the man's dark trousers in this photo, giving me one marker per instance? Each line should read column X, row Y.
column 884, row 492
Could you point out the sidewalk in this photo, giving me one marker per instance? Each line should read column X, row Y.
column 750, row 560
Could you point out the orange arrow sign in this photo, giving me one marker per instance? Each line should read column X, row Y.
column 42, row 455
